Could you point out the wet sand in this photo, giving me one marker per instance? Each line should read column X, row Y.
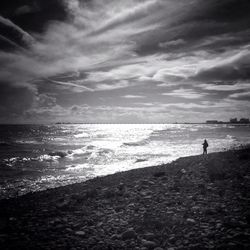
column 198, row 202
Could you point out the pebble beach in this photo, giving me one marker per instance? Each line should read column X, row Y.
column 196, row 202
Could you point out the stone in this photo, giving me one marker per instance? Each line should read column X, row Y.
column 190, row 220
column 148, row 244
column 115, row 237
column 63, row 204
column 183, row 171
column 159, row 174
column 195, row 208
column 121, row 186
column 129, row 234
column 149, row 236
column 3, row 223
column 80, row 233
column 144, row 182
column 218, row 225
column 131, row 205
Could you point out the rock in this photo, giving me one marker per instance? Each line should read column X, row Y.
column 63, row 204
column 144, row 182
column 159, row 174
column 183, row 171
column 115, row 237
column 91, row 193
column 108, row 193
column 151, row 182
column 3, row 223
column 195, row 208
column 209, row 211
column 148, row 244
column 248, row 217
column 121, row 186
column 12, row 219
column 131, row 205
column 218, row 225
column 172, row 239
column 175, row 187
column 143, row 193
column 119, row 208
column 129, row 234
column 190, row 220
column 149, row 236
column 80, row 233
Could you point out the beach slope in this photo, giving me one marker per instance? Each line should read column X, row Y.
column 197, row 202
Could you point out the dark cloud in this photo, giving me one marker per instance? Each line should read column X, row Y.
column 210, row 19
column 13, row 34
column 15, row 100
column 230, row 11
column 33, row 16
column 8, row 45
column 242, row 96
column 20, row 18
column 235, row 69
column 216, row 18
column 26, row 9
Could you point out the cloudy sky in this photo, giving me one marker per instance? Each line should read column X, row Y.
column 135, row 61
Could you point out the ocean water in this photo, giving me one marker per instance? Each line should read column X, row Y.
column 37, row 157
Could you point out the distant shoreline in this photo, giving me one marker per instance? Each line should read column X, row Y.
column 68, row 123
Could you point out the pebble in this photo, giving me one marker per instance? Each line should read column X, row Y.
column 190, row 220
column 149, row 244
column 80, row 233
column 129, row 234
column 115, row 236
column 149, row 236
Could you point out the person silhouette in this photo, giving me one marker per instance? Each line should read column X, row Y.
column 205, row 145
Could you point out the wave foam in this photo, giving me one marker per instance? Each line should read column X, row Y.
column 81, row 135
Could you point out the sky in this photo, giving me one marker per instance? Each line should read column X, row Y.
column 116, row 61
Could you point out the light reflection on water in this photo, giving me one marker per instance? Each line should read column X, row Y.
column 38, row 157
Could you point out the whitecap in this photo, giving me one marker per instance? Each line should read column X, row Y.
column 26, row 142
column 81, row 135
column 230, row 137
column 78, row 152
column 78, row 167
column 46, row 157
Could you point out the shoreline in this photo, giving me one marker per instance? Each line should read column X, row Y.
column 234, row 147
column 195, row 202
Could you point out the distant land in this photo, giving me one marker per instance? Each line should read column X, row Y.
column 231, row 121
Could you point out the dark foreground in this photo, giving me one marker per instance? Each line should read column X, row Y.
column 193, row 203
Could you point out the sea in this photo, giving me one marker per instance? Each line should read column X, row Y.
column 39, row 157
